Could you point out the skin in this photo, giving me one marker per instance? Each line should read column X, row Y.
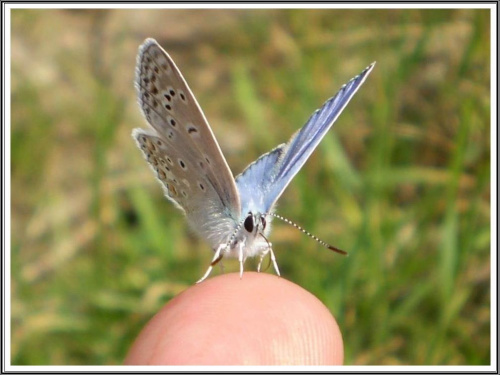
column 260, row 319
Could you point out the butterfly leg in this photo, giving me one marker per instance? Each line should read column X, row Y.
column 241, row 258
column 217, row 257
column 262, row 256
column 273, row 259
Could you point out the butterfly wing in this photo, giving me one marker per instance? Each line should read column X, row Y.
column 181, row 147
column 255, row 181
column 285, row 161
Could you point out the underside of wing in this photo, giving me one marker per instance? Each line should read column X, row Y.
column 181, row 147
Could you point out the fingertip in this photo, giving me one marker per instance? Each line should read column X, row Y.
column 259, row 320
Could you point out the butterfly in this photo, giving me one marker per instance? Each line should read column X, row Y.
column 232, row 214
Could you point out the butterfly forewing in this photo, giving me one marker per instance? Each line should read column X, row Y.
column 182, row 148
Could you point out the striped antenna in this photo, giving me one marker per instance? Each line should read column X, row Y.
column 330, row 247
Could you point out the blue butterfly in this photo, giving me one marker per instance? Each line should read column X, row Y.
column 232, row 215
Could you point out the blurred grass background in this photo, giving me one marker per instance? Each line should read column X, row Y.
column 402, row 182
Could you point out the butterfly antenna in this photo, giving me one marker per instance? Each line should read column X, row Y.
column 233, row 235
column 328, row 246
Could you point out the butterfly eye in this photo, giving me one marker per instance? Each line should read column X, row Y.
column 248, row 224
column 263, row 222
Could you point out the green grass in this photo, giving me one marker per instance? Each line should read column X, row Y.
column 402, row 182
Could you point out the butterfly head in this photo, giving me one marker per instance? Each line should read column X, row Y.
column 254, row 223
column 251, row 233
